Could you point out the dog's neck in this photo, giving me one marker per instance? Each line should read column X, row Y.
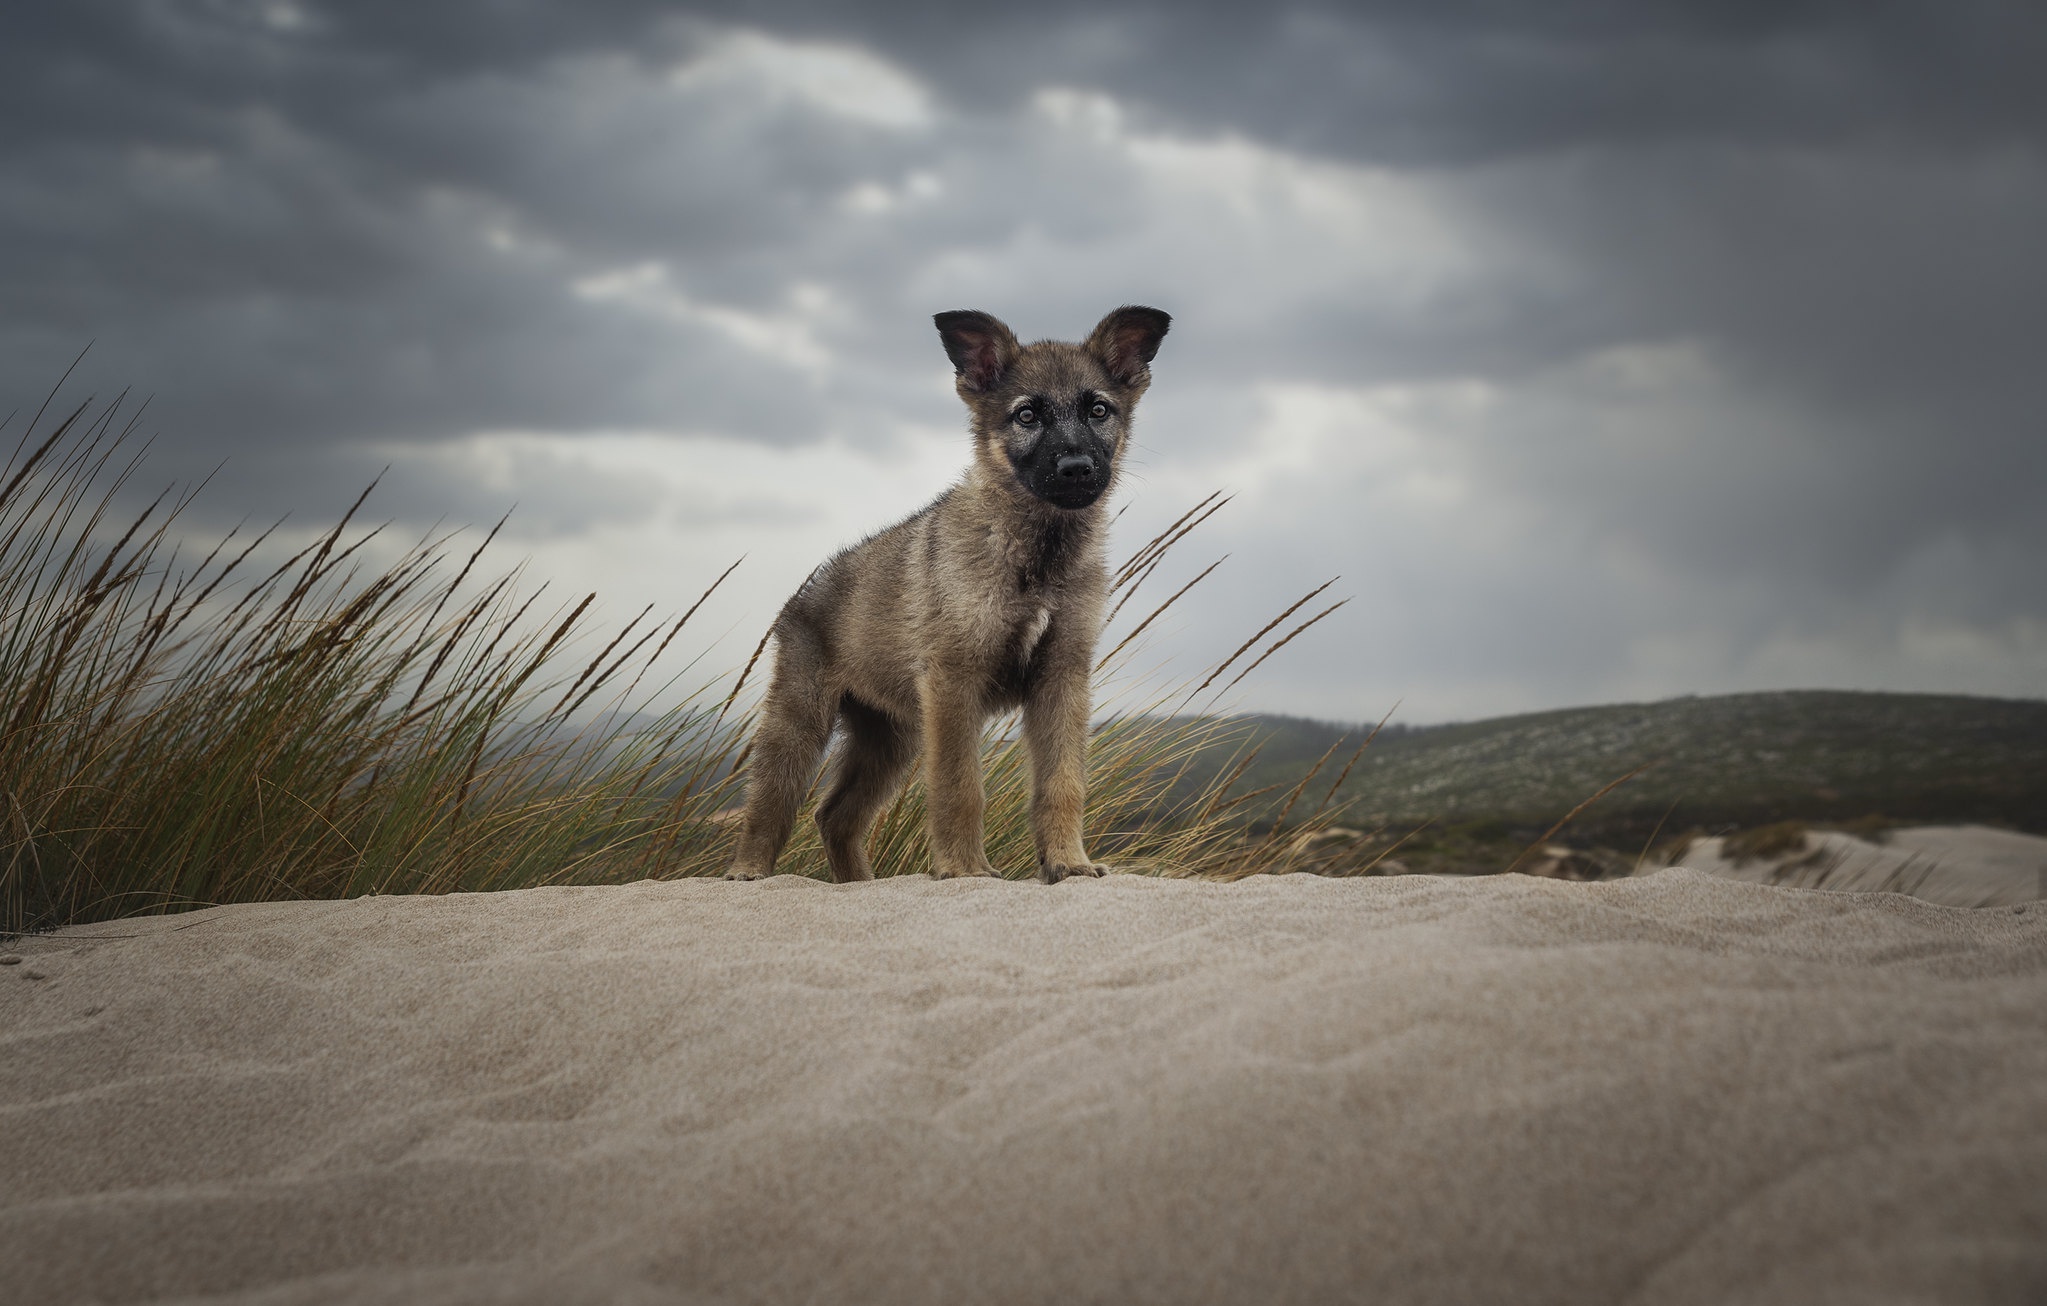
column 1042, row 544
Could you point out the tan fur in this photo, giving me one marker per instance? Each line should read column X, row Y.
column 989, row 599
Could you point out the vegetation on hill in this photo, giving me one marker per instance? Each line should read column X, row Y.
column 1735, row 761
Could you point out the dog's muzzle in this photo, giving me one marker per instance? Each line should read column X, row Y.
column 1072, row 476
column 1075, row 481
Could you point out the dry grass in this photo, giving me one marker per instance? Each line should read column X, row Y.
column 177, row 733
column 189, row 733
column 1764, row 842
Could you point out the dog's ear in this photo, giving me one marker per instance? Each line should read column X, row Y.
column 1126, row 340
column 980, row 347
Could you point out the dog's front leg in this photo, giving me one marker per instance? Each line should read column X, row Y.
column 1055, row 729
column 952, row 774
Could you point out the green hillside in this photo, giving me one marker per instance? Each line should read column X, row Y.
column 1732, row 760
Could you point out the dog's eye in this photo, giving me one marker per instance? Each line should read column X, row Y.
column 1100, row 412
column 1026, row 416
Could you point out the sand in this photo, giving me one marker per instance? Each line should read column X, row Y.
column 1954, row 865
column 1675, row 1089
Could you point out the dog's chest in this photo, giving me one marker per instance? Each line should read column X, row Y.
column 1040, row 560
column 1030, row 632
column 1039, row 591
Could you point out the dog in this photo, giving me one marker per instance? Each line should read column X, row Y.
column 988, row 600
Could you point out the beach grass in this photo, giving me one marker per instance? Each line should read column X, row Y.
column 267, row 720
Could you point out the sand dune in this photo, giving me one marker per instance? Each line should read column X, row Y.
column 1954, row 865
column 1668, row 1089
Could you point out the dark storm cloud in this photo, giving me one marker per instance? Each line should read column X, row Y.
column 249, row 191
column 283, row 235
column 1428, row 82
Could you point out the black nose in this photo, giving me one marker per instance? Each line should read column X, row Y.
column 1076, row 467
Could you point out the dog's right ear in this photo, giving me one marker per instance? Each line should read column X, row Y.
column 980, row 347
column 1127, row 340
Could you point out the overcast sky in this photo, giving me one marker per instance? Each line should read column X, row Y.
column 1607, row 350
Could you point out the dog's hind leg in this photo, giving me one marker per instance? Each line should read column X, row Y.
column 795, row 721
column 872, row 760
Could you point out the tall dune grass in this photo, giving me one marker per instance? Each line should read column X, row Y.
column 181, row 732
column 188, row 733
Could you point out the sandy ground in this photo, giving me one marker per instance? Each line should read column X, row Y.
column 1676, row 1088
column 1954, row 865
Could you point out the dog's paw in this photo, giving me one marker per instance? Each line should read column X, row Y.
column 966, row 870
column 746, row 873
column 1053, row 872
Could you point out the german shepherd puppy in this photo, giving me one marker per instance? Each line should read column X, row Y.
column 987, row 600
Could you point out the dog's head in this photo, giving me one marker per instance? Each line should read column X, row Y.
column 1051, row 419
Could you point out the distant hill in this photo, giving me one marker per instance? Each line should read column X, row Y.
column 1730, row 760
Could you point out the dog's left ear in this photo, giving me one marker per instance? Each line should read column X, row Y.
column 980, row 346
column 1126, row 340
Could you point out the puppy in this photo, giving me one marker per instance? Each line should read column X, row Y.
column 988, row 600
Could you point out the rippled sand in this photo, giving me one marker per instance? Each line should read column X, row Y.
column 1668, row 1089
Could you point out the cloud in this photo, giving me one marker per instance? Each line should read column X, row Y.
column 845, row 81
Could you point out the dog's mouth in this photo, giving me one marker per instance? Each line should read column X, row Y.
column 1071, row 478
